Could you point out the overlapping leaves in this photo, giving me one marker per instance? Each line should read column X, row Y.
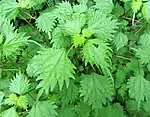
column 51, row 66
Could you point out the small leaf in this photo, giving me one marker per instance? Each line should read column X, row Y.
column 58, row 68
column 121, row 40
column 78, row 40
column 136, row 5
column 11, row 100
column 19, row 84
column 87, row 33
column 22, row 102
column 45, row 22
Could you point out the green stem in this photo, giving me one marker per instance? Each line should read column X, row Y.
column 32, row 41
column 133, row 19
column 69, row 50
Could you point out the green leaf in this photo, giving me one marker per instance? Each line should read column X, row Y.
column 133, row 65
column 118, row 10
column 142, row 51
column 4, row 84
column 121, row 40
column 57, row 69
column 97, row 53
column 59, row 40
column 81, row 8
column 136, row 5
column 96, row 90
column 120, row 77
column 45, row 22
column 105, row 5
column 102, row 26
column 131, row 105
column 12, row 40
column 19, row 84
column 83, row 110
column 83, row 1
column 68, row 95
column 74, row 25
column 87, row 33
column 11, row 45
column 66, row 111
column 11, row 100
column 6, row 27
column 64, row 8
column 78, row 40
column 138, row 88
column 9, row 8
column 10, row 113
column 35, row 2
column 43, row 109
column 147, row 107
column 146, row 10
column 111, row 111
column 22, row 102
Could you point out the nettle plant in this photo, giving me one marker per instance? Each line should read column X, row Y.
column 85, row 58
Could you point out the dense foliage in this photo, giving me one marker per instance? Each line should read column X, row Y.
column 76, row 58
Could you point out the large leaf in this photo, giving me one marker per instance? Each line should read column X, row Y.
column 43, row 109
column 139, row 88
column 10, row 113
column 103, row 26
column 51, row 66
column 96, row 90
column 12, row 41
column 97, row 52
